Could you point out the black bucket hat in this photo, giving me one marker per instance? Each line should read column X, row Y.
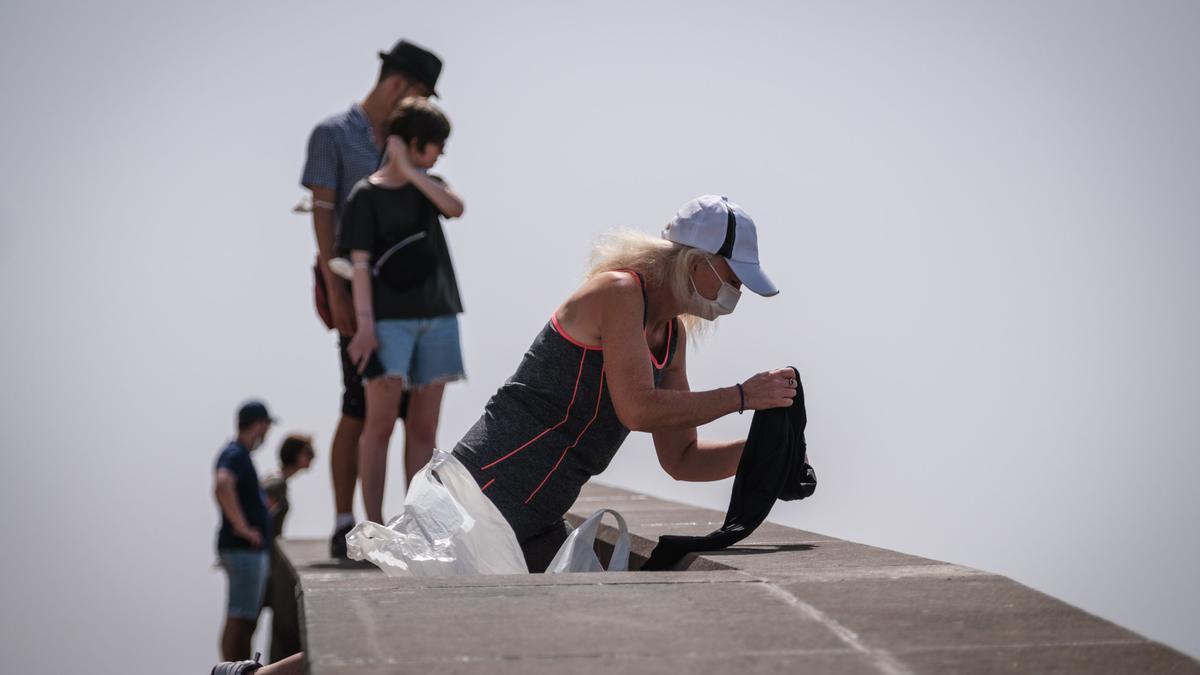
column 417, row 61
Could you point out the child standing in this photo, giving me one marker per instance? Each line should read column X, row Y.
column 405, row 293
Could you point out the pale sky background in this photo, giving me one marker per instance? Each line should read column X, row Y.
column 983, row 217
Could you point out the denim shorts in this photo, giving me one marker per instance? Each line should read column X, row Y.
column 247, row 570
column 420, row 351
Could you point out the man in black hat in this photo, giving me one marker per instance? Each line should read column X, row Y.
column 245, row 528
column 342, row 150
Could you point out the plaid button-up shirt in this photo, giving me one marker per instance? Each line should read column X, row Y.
column 341, row 152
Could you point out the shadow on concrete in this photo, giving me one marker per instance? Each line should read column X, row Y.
column 755, row 549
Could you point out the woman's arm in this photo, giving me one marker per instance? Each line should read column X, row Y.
column 680, row 453
column 363, row 344
column 638, row 404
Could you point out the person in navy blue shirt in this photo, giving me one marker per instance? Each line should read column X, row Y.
column 245, row 529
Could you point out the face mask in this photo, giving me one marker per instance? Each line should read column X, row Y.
column 727, row 299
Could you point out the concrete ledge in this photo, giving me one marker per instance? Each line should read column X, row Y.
column 784, row 600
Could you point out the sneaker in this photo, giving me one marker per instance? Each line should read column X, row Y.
column 238, row 667
column 337, row 543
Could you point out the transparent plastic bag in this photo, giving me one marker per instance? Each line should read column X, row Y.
column 578, row 553
column 447, row 528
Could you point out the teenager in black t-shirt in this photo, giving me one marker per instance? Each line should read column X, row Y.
column 405, row 294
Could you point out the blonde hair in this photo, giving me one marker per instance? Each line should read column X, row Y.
column 658, row 261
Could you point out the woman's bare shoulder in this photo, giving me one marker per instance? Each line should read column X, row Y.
column 583, row 311
column 607, row 286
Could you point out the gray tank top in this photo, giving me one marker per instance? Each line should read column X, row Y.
column 551, row 426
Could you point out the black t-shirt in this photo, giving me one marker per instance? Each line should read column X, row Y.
column 235, row 458
column 378, row 217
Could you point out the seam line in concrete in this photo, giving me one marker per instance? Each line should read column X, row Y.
column 413, row 589
column 362, row 611
column 881, row 659
column 615, row 656
column 726, row 579
column 1024, row 645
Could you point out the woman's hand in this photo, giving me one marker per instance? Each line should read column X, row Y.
column 362, row 345
column 772, row 389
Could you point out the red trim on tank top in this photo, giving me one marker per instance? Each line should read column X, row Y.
column 659, row 365
column 635, row 276
column 567, row 449
column 578, row 376
column 563, row 334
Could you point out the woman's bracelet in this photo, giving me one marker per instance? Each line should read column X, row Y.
column 741, row 398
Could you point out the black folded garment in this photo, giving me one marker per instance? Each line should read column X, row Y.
column 773, row 466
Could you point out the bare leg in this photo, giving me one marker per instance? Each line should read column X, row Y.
column 235, row 639
column 343, row 462
column 383, row 397
column 420, row 428
column 292, row 665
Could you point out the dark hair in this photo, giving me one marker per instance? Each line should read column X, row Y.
column 291, row 448
column 420, row 120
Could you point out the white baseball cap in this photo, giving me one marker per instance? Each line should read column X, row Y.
column 714, row 224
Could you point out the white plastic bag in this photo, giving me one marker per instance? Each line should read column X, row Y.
column 448, row 528
column 578, row 554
